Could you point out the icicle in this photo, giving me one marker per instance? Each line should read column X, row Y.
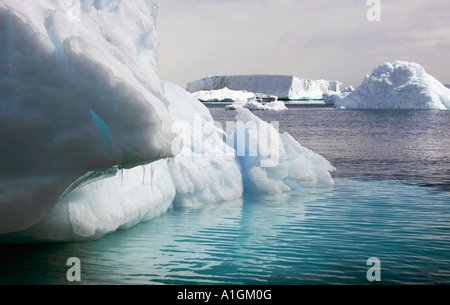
column 152, row 172
column 143, row 174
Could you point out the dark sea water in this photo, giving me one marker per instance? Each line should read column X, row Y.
column 391, row 201
column 404, row 145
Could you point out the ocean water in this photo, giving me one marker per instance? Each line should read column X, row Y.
column 391, row 201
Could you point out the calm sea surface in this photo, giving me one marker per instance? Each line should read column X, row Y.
column 391, row 201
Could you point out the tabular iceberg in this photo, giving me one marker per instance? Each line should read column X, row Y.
column 397, row 85
column 92, row 140
column 285, row 87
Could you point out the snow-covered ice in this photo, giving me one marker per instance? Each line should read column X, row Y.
column 273, row 163
column 253, row 104
column 74, row 97
column 241, row 99
column 284, row 87
column 93, row 141
column 397, row 85
column 206, row 170
column 331, row 97
column 224, row 95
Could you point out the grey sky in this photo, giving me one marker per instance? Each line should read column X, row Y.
column 310, row 39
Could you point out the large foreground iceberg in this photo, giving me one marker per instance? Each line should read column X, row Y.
column 285, row 87
column 74, row 97
column 397, row 85
column 206, row 171
column 92, row 140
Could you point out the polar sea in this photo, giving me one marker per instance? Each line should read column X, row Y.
column 391, row 201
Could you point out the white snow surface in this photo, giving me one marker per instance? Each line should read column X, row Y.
column 75, row 96
column 272, row 162
column 282, row 86
column 397, row 85
column 93, row 141
column 205, row 172
column 252, row 104
column 224, row 95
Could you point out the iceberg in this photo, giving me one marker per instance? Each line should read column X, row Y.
column 93, row 141
column 274, row 163
column 241, row 99
column 253, row 104
column 331, row 97
column 284, row 87
column 397, row 85
column 74, row 98
column 224, row 95
column 204, row 172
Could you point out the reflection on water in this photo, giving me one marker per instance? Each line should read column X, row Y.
column 316, row 236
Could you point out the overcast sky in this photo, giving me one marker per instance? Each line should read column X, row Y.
column 320, row 39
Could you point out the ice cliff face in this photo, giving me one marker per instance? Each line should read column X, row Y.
column 282, row 86
column 397, row 85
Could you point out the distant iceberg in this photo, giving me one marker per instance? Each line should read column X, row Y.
column 330, row 97
column 397, row 85
column 241, row 99
column 253, row 104
column 226, row 95
column 93, row 141
column 284, row 87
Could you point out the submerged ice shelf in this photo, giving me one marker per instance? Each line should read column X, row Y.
column 94, row 141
